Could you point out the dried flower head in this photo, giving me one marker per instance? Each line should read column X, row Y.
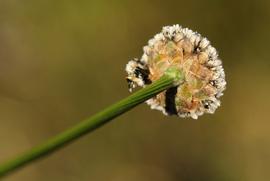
column 204, row 79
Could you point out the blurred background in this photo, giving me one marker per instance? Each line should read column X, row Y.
column 62, row 61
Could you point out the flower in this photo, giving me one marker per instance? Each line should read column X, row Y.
column 204, row 77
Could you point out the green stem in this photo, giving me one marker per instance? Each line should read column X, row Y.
column 167, row 80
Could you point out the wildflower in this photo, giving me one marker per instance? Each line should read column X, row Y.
column 204, row 78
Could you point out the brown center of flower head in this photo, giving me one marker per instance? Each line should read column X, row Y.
column 204, row 78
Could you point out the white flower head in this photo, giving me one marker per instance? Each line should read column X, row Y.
column 193, row 54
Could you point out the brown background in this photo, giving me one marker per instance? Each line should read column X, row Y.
column 61, row 61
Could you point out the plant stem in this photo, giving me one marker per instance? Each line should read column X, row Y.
column 167, row 80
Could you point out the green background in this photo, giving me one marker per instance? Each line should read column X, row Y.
column 62, row 61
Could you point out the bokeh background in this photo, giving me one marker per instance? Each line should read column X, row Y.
column 61, row 61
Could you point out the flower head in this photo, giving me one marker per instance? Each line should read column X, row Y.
column 204, row 78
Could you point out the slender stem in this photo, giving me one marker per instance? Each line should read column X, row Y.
column 89, row 125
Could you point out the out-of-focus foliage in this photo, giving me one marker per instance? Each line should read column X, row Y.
column 61, row 61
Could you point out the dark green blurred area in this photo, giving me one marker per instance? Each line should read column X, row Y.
column 61, row 61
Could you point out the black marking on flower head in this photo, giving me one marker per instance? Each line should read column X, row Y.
column 130, row 83
column 207, row 103
column 170, row 106
column 143, row 73
column 197, row 47
column 213, row 83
